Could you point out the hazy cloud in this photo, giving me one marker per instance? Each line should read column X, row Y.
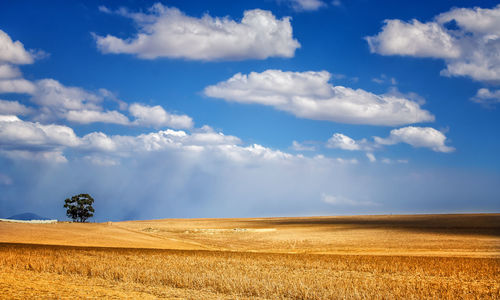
column 343, row 201
column 371, row 157
column 305, row 5
column 13, row 108
column 487, row 97
column 302, row 146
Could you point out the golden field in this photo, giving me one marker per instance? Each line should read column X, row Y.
column 358, row 257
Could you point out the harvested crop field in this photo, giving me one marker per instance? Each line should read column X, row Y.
column 424, row 257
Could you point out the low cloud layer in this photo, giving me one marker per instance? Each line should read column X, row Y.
column 468, row 39
column 310, row 95
column 168, row 32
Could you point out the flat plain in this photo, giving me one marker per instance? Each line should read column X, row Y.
column 354, row 257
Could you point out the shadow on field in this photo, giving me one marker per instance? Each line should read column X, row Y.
column 466, row 224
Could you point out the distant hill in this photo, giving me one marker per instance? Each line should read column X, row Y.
column 27, row 217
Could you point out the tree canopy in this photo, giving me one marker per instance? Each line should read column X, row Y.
column 79, row 207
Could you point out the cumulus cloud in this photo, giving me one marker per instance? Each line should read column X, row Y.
column 31, row 141
column 75, row 104
column 414, row 39
column 18, row 138
column 13, row 108
column 371, row 157
column 306, row 5
column 18, row 134
column 426, row 137
column 487, row 97
column 468, row 39
column 309, row 95
column 168, row 32
column 344, row 201
column 13, row 52
column 57, row 101
column 52, row 94
column 156, row 116
column 340, row 141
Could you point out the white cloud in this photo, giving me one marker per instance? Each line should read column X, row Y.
column 94, row 116
column 371, row 157
column 309, row 95
column 46, row 156
column 207, row 136
column 340, row 141
column 413, row 39
column 156, row 116
column 306, row 5
column 168, row 32
column 57, row 101
column 18, row 134
column 9, row 118
column 426, row 137
column 13, row 108
column 8, row 71
column 343, row 201
column 33, row 141
column 52, row 94
column 487, row 97
column 13, row 52
column 17, row 85
column 10, row 76
column 302, row 147
column 471, row 49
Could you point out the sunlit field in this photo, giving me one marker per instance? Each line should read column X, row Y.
column 366, row 257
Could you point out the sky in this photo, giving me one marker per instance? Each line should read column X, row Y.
column 188, row 109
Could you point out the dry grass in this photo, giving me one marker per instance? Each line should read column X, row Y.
column 216, row 274
column 364, row 257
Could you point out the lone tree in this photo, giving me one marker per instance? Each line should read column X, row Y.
column 79, row 207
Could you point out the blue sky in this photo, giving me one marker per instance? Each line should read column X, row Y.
column 240, row 109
